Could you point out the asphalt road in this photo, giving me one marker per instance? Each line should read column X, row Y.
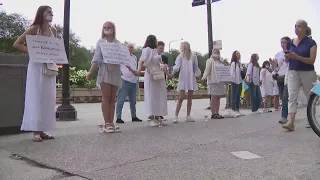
column 252, row 147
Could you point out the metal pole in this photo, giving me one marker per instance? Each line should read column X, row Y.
column 66, row 112
column 209, row 22
column 175, row 98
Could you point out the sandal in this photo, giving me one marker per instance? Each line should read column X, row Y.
column 46, row 136
column 219, row 116
column 37, row 138
column 108, row 128
column 116, row 128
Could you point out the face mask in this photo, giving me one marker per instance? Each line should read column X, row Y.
column 49, row 18
column 267, row 67
column 108, row 32
column 215, row 56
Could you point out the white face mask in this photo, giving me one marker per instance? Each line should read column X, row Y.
column 49, row 18
column 215, row 56
column 267, row 67
column 108, row 32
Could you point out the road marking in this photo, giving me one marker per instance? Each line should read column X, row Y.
column 245, row 155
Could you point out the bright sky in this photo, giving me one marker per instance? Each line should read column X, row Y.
column 250, row 26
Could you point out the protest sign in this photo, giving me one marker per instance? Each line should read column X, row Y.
column 223, row 73
column 43, row 49
column 217, row 44
column 115, row 53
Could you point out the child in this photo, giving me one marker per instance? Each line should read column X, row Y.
column 267, row 84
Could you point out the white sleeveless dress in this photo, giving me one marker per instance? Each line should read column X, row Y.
column 40, row 99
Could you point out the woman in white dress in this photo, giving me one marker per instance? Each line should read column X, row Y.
column 109, row 77
column 40, row 97
column 216, row 89
column 266, row 82
column 187, row 64
column 155, row 92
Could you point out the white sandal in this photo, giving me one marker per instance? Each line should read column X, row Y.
column 108, row 128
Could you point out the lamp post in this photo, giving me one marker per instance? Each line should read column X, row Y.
column 169, row 46
column 66, row 112
column 169, row 60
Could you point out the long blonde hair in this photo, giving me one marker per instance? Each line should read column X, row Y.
column 185, row 50
column 103, row 35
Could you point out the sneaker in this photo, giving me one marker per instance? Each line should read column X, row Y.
column 239, row 113
column 255, row 112
column 119, row 121
column 175, row 119
column 283, row 121
column 189, row 119
column 266, row 110
column 308, row 125
column 289, row 125
column 154, row 123
column 135, row 119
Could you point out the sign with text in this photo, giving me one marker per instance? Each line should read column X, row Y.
column 115, row 53
column 223, row 73
column 217, row 44
column 43, row 49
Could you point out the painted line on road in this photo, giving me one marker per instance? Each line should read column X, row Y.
column 245, row 155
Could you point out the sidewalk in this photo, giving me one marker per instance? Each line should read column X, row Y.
column 200, row 150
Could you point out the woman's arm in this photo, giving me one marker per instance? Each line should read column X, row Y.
column 233, row 69
column 176, row 67
column 312, row 58
column 19, row 43
column 97, row 58
column 207, row 70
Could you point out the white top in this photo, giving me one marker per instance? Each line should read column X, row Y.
column 126, row 74
column 267, row 82
column 235, row 72
column 188, row 72
column 282, row 64
column 254, row 75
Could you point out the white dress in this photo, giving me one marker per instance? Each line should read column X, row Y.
column 216, row 89
column 267, row 83
column 187, row 77
column 40, row 99
column 155, row 92
column 108, row 73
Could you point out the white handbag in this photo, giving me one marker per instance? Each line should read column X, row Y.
column 157, row 75
column 50, row 69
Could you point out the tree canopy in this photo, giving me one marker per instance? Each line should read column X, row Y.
column 13, row 25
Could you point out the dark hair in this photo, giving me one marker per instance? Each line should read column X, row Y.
column 38, row 20
column 265, row 63
column 234, row 58
column 286, row 38
column 151, row 42
column 254, row 59
column 161, row 43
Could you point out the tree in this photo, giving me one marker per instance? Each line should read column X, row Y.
column 11, row 27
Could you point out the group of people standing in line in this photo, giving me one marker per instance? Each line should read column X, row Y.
column 292, row 69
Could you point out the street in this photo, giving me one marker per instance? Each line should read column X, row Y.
column 251, row 147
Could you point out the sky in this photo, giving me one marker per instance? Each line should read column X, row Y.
column 249, row 26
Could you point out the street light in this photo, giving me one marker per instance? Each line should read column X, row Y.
column 169, row 46
column 66, row 112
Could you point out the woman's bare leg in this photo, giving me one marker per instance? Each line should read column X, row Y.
column 212, row 105
column 106, row 93
column 112, row 102
column 265, row 102
column 189, row 102
column 276, row 102
column 179, row 102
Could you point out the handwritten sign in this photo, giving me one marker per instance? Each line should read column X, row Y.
column 44, row 49
column 115, row 53
column 223, row 73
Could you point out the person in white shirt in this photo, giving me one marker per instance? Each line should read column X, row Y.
column 266, row 85
column 236, row 82
column 187, row 64
column 253, row 82
column 281, row 67
column 216, row 89
column 128, row 89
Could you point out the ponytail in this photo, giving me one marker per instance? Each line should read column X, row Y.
column 308, row 32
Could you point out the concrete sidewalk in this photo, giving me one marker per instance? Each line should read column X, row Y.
column 249, row 147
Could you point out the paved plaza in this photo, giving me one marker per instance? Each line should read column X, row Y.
column 251, row 147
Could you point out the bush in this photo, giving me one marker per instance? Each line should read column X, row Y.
column 78, row 79
column 172, row 84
